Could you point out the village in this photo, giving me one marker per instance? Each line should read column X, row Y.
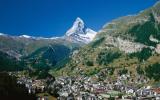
column 86, row 88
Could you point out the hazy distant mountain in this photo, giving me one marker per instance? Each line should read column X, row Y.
column 49, row 51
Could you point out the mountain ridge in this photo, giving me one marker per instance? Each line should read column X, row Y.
column 78, row 33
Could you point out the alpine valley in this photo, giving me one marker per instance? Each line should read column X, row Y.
column 41, row 53
column 122, row 60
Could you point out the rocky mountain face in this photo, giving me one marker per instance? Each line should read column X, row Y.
column 80, row 33
column 124, row 43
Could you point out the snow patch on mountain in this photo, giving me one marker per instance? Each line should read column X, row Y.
column 2, row 34
column 26, row 36
column 38, row 38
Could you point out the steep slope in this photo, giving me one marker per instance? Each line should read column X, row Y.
column 80, row 33
column 11, row 46
column 124, row 43
column 140, row 28
column 48, row 56
column 8, row 63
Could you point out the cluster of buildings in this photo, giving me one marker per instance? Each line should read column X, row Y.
column 84, row 88
column 33, row 85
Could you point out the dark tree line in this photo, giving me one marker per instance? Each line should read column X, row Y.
column 10, row 90
column 8, row 63
column 142, row 55
column 153, row 71
column 107, row 56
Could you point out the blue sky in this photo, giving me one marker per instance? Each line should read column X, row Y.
column 53, row 17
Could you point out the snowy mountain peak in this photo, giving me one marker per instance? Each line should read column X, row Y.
column 80, row 33
column 78, row 27
column 78, row 19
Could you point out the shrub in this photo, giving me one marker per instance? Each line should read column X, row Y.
column 89, row 63
column 139, row 70
column 123, row 71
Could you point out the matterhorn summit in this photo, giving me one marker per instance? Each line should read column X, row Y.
column 80, row 33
